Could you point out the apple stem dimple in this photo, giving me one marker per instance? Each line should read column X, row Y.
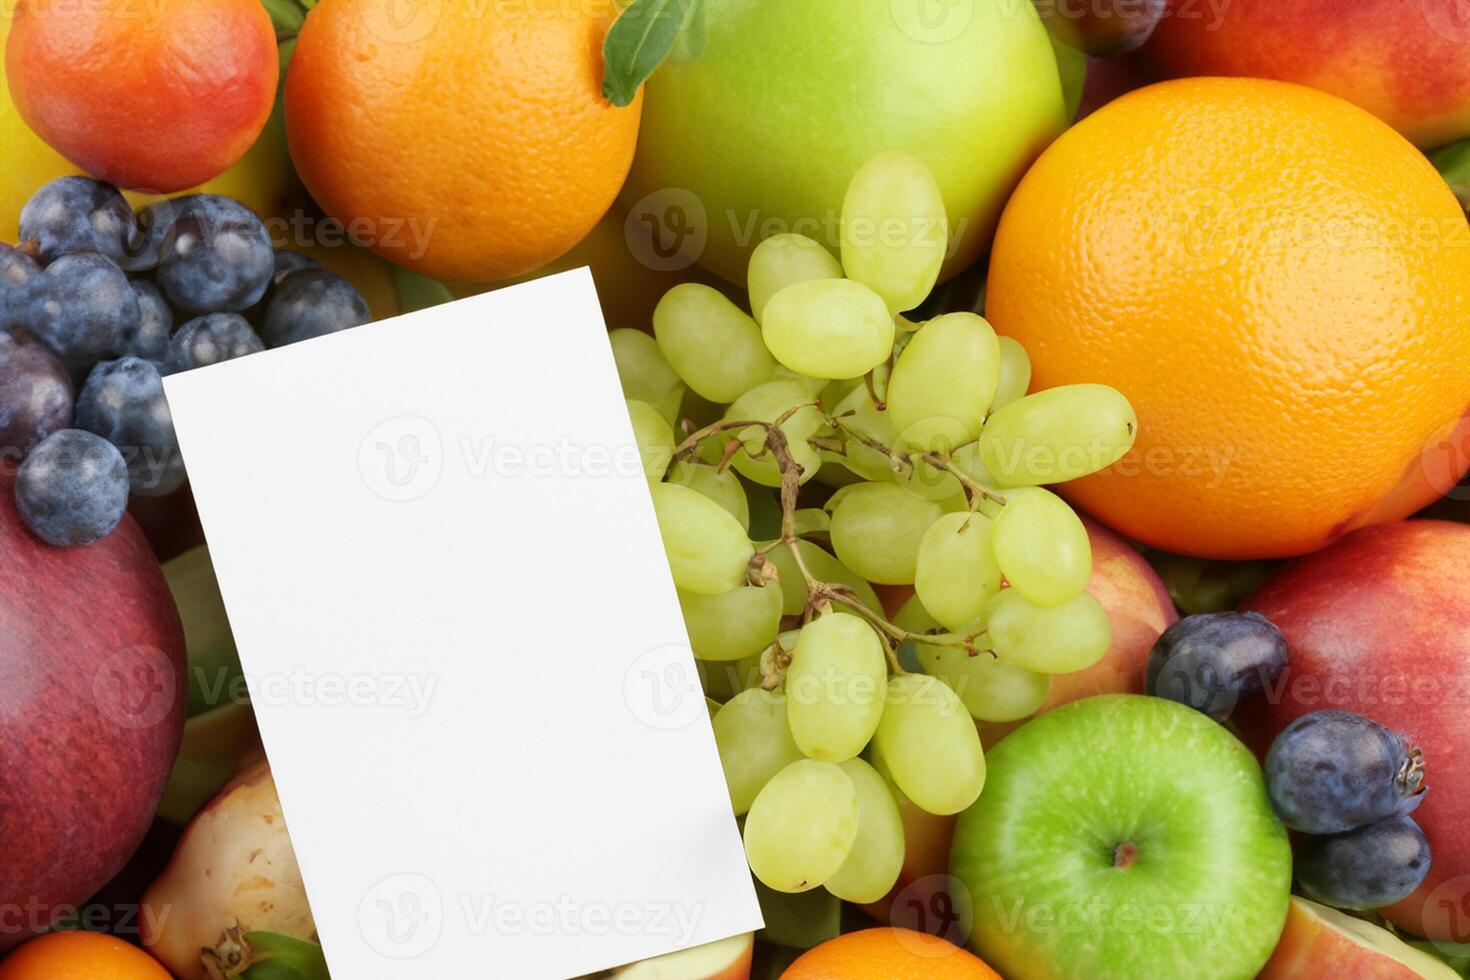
column 1124, row 855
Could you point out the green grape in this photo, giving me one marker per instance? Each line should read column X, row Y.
column 755, row 743
column 645, row 373
column 876, row 528
column 712, row 706
column 655, row 438
column 824, row 568
column 798, row 921
column 894, row 229
column 1015, row 373
column 734, row 624
column 929, row 745
column 707, row 548
column 872, row 867
column 784, row 260
column 955, row 572
column 811, row 520
column 835, row 685
column 1042, row 548
column 768, row 403
column 812, row 386
column 725, row 679
column 944, row 382
column 991, row 689
column 801, row 826
column 1058, row 434
column 828, row 328
column 858, row 413
column 713, row 345
column 721, row 486
column 1057, row 640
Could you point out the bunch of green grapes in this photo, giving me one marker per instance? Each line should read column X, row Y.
column 898, row 453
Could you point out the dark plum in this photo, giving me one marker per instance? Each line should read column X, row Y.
column 123, row 402
column 216, row 256
column 1334, row 771
column 82, row 306
column 72, row 489
column 1368, row 868
column 1213, row 661
column 35, row 395
column 77, row 214
column 311, row 303
column 210, row 339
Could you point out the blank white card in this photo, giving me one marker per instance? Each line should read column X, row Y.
column 442, row 568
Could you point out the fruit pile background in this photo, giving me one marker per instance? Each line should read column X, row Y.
column 1057, row 417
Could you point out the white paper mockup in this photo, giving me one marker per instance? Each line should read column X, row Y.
column 442, row 568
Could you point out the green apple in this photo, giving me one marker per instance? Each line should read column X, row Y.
column 758, row 124
column 1123, row 837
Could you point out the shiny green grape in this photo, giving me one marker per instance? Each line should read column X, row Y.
column 1057, row 640
column 784, row 260
column 835, row 686
column 876, row 528
column 873, row 865
column 768, row 403
column 801, row 826
column 707, row 549
column 645, row 373
column 1058, row 434
column 655, row 439
column 1042, row 548
column 955, row 570
column 710, row 342
column 755, row 743
column 1015, row 373
column 944, row 382
column 929, row 746
column 721, row 486
column 828, row 328
column 731, row 625
column 824, row 568
column 894, row 229
column 991, row 689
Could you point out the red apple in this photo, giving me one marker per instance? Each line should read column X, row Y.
column 920, row 898
column 727, row 959
column 91, row 712
column 1139, row 609
column 1405, row 61
column 1323, row 942
column 1379, row 623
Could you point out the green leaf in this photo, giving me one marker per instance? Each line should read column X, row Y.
column 1453, row 162
column 415, row 292
column 287, row 16
column 277, row 957
column 639, row 40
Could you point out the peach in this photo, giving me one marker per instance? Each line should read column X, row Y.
column 1405, row 61
column 155, row 97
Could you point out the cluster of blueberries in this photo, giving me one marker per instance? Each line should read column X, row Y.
column 1339, row 778
column 97, row 303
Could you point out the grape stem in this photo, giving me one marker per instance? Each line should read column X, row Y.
column 821, row 596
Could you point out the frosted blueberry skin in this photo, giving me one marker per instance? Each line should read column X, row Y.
column 72, row 489
column 216, row 256
column 81, row 306
column 155, row 324
column 1212, row 662
column 78, row 214
column 123, row 402
column 311, row 303
column 17, row 272
column 36, row 396
column 1368, row 868
column 210, row 339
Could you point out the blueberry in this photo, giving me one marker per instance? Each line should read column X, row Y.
column 123, row 402
column 17, row 272
column 154, row 222
column 210, row 339
column 35, row 395
column 289, row 261
column 311, row 303
column 82, row 307
column 155, row 323
column 72, row 489
column 216, row 256
column 1213, row 661
column 78, row 214
column 1333, row 771
column 1368, row 868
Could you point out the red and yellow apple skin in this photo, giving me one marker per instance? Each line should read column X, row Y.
column 1405, row 61
column 155, row 97
column 1322, row 942
column 1139, row 609
column 1379, row 623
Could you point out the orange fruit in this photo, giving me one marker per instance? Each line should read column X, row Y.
column 463, row 139
column 1280, row 284
column 888, row 954
column 80, row 956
